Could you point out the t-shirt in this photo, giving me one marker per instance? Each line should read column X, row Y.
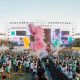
column 7, row 69
column 9, row 62
column 14, row 61
column 17, row 63
column 74, row 66
column 26, row 64
column 4, row 64
column 1, row 69
column 35, row 68
column 31, row 65
column 77, row 78
column 64, row 69
column 70, row 75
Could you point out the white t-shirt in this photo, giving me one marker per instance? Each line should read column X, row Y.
column 31, row 65
column 1, row 69
column 64, row 69
column 35, row 68
column 70, row 75
column 26, row 63
column 17, row 63
column 9, row 62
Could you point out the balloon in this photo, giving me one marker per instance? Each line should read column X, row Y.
column 26, row 42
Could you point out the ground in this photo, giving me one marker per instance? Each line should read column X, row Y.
column 22, row 76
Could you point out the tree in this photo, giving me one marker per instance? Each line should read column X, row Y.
column 76, row 43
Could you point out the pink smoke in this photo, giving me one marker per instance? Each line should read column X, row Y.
column 38, row 33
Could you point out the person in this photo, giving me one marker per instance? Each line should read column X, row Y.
column 14, row 64
column 74, row 66
column 1, row 70
column 3, row 59
column 26, row 65
column 64, row 68
column 31, row 68
column 42, row 78
column 4, row 65
column 40, row 71
column 0, row 57
column 9, row 62
column 47, row 63
column 78, row 67
column 3, row 76
column 8, row 71
column 59, row 66
column 77, row 77
column 70, row 75
column 19, row 67
column 3, row 73
column 34, row 71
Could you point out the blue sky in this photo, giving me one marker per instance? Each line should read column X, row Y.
column 46, row 10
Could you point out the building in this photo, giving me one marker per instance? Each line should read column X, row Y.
column 17, row 30
column 62, row 31
column 53, row 30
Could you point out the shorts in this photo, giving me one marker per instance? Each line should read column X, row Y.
column 4, row 77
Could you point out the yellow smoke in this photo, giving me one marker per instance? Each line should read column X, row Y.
column 26, row 42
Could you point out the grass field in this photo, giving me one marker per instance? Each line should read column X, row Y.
column 17, row 76
column 22, row 76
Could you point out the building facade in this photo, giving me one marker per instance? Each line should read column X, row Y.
column 53, row 30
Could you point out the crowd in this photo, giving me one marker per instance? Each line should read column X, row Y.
column 68, row 68
column 23, row 63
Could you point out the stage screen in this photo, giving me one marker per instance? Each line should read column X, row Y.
column 20, row 33
column 57, row 32
column 64, row 33
column 64, row 40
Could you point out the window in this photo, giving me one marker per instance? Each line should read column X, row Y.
column 20, row 33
